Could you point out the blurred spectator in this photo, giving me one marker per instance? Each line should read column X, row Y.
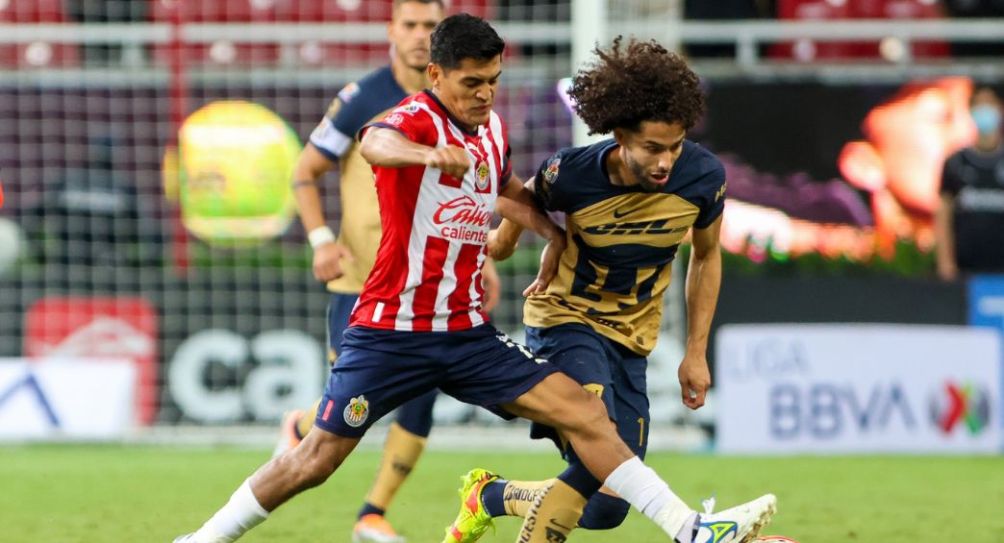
column 92, row 216
column 970, row 219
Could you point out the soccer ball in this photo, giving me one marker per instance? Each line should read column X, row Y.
column 773, row 539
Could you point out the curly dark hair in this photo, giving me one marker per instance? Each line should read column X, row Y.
column 464, row 36
column 641, row 81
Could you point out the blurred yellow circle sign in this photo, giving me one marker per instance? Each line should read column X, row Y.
column 234, row 165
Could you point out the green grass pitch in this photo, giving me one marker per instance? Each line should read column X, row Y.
column 94, row 494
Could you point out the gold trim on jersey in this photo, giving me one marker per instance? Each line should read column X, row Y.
column 617, row 266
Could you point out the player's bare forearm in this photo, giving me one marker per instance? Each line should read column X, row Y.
column 310, row 168
column 704, row 279
column 516, row 206
column 389, row 148
column 505, row 238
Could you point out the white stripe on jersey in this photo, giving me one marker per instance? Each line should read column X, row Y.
column 473, row 313
column 495, row 123
column 424, row 208
column 446, row 288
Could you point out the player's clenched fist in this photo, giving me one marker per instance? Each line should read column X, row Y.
column 451, row 160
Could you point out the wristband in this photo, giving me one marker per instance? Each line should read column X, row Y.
column 320, row 236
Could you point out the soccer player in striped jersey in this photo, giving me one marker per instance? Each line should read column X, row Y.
column 441, row 161
column 343, row 263
column 626, row 203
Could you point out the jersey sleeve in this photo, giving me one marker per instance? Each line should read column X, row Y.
column 411, row 120
column 547, row 186
column 331, row 141
column 712, row 203
column 951, row 181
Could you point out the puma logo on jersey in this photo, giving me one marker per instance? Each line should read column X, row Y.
column 634, row 228
column 721, row 192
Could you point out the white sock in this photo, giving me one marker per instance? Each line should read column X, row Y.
column 239, row 515
column 642, row 487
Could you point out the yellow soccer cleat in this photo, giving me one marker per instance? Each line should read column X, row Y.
column 472, row 521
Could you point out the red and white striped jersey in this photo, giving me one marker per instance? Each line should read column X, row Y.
column 427, row 275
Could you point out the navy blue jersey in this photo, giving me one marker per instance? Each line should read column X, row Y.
column 621, row 240
column 356, row 104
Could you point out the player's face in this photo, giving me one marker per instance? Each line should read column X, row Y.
column 409, row 31
column 468, row 91
column 651, row 152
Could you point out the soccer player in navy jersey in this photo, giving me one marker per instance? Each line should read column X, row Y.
column 442, row 167
column 626, row 203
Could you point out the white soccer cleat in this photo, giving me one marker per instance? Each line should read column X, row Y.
column 739, row 524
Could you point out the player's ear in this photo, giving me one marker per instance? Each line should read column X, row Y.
column 862, row 166
column 620, row 136
column 435, row 71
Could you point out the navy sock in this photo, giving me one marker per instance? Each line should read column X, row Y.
column 370, row 509
column 493, row 497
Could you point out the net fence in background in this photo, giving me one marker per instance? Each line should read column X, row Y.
column 95, row 258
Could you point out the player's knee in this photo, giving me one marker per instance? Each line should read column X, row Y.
column 604, row 512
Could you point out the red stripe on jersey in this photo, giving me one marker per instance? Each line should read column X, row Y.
column 433, row 269
column 397, row 193
column 450, row 181
column 459, row 302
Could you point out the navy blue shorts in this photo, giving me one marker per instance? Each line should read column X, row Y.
column 378, row 370
column 339, row 309
column 603, row 367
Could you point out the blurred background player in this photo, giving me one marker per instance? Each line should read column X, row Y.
column 626, row 203
column 345, row 262
column 970, row 220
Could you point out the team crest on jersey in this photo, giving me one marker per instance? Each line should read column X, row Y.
column 357, row 411
column 552, row 169
column 481, row 172
column 394, row 119
column 348, row 92
column 410, row 108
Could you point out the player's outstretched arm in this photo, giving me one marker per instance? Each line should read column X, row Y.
column 516, row 204
column 328, row 254
column 704, row 278
column 389, row 148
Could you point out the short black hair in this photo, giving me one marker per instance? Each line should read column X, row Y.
column 464, row 36
column 640, row 82
column 439, row 2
